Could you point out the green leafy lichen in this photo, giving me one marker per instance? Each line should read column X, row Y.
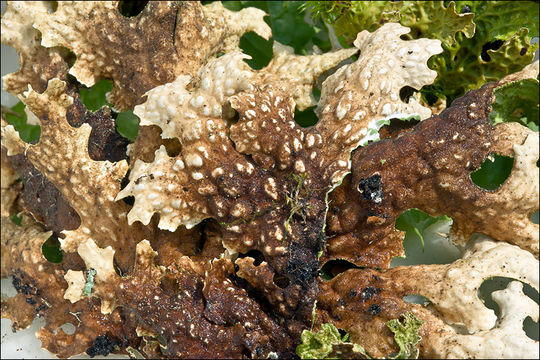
column 482, row 40
column 320, row 344
column 329, row 343
column 406, row 335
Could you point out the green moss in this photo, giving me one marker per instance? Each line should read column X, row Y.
column 324, row 344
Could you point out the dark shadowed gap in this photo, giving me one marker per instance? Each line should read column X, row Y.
column 255, row 254
column 131, row 8
column 333, row 268
column 492, row 45
column 493, row 172
column 405, row 93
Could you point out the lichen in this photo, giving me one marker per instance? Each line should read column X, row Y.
column 204, row 236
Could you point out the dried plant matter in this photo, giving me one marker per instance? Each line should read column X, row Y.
column 204, row 238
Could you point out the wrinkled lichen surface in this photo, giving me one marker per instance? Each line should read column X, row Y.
column 205, row 236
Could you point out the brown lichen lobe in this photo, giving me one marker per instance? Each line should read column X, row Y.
column 219, row 254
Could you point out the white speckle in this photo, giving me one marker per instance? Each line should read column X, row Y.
column 171, row 187
column 402, row 51
column 313, row 155
column 178, row 165
column 194, row 160
column 299, row 166
column 297, row 145
column 339, row 87
column 217, row 172
column 250, row 114
column 386, row 110
column 359, row 115
column 176, row 203
column 235, row 228
column 197, row 175
column 365, row 84
column 270, row 188
column 311, row 140
column 205, row 83
column 152, row 196
column 265, row 108
column 410, row 64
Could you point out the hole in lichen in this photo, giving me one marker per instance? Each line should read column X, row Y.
column 130, row 200
column 405, row 93
column 17, row 220
column 306, row 118
column 94, row 98
column 281, row 281
column 523, row 51
column 465, row 9
column 51, row 249
column 396, row 127
column 258, row 48
column 499, row 283
column 426, row 239
column 493, row 172
column 416, row 299
column 68, row 328
column 255, row 254
column 16, row 116
column 170, row 285
column 172, row 146
column 131, row 8
column 333, row 268
column 534, row 217
column 52, row 6
column 66, row 54
column 492, row 45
